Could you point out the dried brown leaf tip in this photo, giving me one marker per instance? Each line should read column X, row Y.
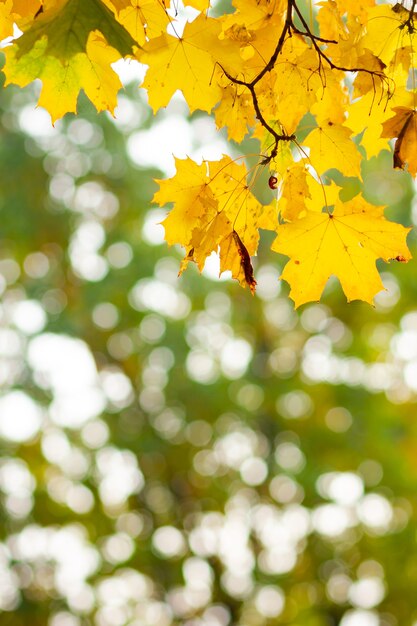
column 245, row 262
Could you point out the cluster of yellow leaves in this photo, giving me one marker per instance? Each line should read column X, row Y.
column 344, row 83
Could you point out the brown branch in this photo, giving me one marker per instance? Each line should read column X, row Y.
column 409, row 23
column 311, row 36
column 286, row 30
column 323, row 55
column 250, row 85
column 289, row 28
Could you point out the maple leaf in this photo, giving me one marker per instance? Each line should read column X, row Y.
column 357, row 9
column 235, row 112
column 259, row 13
column 403, row 126
column 141, row 18
column 295, row 191
column 366, row 81
column 235, row 257
column 346, row 244
column 188, row 63
column 301, row 192
column 70, row 47
column 6, row 19
column 213, row 207
column 67, row 25
column 192, row 196
column 287, row 92
column 205, row 194
column 264, row 72
column 330, row 20
column 20, row 12
column 331, row 146
column 385, row 32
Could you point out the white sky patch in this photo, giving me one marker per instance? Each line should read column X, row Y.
column 20, row 417
column 235, row 358
column 66, row 367
column 29, row 316
column 270, row 601
column 158, row 146
column 129, row 71
column 345, row 488
column 152, row 230
column 155, row 295
column 332, row 520
column 37, row 122
column 173, row 137
column 360, row 618
column 212, row 269
column 119, row 474
column 367, row 593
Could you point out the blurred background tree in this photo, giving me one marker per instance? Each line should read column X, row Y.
column 175, row 451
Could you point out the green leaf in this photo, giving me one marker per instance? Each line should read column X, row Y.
column 67, row 27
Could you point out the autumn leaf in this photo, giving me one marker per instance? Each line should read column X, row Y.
column 21, row 12
column 193, row 197
column 370, row 79
column 308, row 98
column 403, row 126
column 295, row 191
column 346, row 244
column 213, row 207
column 141, row 18
column 331, row 146
column 288, row 92
column 330, row 20
column 235, row 257
column 235, row 112
column 188, row 63
column 67, row 25
column 70, row 47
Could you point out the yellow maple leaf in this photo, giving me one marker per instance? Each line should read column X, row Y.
column 321, row 197
column 188, row 63
column 403, row 126
column 6, row 19
column 368, row 114
column 70, row 46
column 236, row 200
column 288, row 92
column 214, row 228
column 257, row 14
column 357, row 9
column 295, row 191
column 235, row 111
column 20, row 12
column 331, row 146
column 235, row 257
column 213, row 207
column 331, row 24
column 332, row 101
column 345, row 244
column 253, row 26
column 365, row 81
column 384, row 31
column 62, row 82
column 141, row 18
column 301, row 192
column 193, row 199
column 200, row 5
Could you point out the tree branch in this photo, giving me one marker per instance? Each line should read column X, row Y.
column 288, row 28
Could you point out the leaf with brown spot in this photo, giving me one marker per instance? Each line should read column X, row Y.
column 403, row 126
